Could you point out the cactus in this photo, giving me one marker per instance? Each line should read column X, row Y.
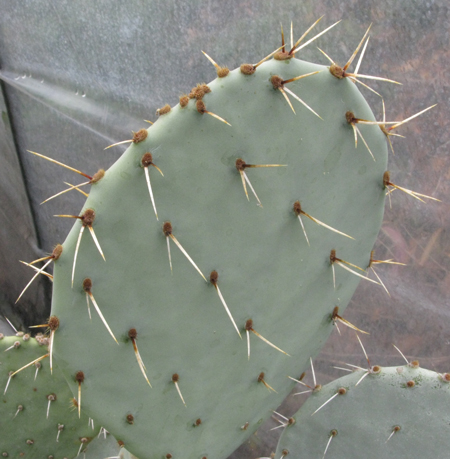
column 38, row 416
column 390, row 413
column 235, row 185
column 223, row 246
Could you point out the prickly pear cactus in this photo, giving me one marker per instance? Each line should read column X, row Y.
column 392, row 412
column 37, row 416
column 216, row 257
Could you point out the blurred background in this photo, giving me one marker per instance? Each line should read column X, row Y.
column 78, row 75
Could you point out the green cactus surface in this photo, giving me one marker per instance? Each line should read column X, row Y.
column 37, row 416
column 105, row 446
column 392, row 412
column 200, row 394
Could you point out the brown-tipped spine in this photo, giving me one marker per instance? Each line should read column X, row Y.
column 79, row 377
column 337, row 71
column 57, row 251
column 140, row 135
column 98, row 176
column 277, row 82
column 163, row 110
column 167, row 228
column 282, row 56
column 213, row 277
column 247, row 69
column 297, row 208
column 201, row 107
column 184, row 100
column 53, row 323
column 88, row 217
column 222, row 72
column 87, row 285
column 132, row 333
column 240, row 164
column 332, row 256
column 205, row 88
column 335, row 313
column 350, row 117
column 147, row 159
column 199, row 91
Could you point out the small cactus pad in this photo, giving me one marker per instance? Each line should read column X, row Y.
column 37, row 416
column 235, row 159
column 394, row 412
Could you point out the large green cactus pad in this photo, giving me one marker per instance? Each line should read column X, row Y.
column 26, row 429
column 267, row 271
column 395, row 412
